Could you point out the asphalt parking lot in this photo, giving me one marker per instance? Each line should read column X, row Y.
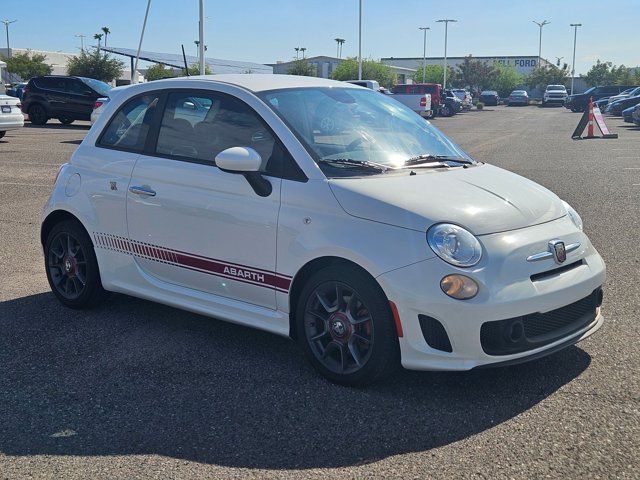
column 134, row 389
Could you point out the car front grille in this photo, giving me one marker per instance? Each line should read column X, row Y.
column 519, row 334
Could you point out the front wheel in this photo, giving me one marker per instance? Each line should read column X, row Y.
column 346, row 328
column 72, row 267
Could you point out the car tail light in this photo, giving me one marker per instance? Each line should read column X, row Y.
column 97, row 105
column 19, row 105
column 423, row 102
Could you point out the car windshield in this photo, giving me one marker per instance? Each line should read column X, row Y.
column 556, row 87
column 518, row 92
column 101, row 88
column 489, row 92
column 357, row 125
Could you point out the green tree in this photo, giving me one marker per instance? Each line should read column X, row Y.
column 599, row 74
column 606, row 73
column 476, row 75
column 95, row 65
column 194, row 69
column 26, row 66
column 507, row 80
column 302, row 67
column 158, row 72
column 106, row 32
column 434, row 74
column 548, row 75
column 371, row 70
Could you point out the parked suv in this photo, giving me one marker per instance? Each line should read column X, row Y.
column 578, row 102
column 64, row 98
column 554, row 94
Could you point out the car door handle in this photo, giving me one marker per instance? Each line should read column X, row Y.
column 142, row 190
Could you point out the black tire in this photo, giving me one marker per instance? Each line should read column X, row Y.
column 38, row 114
column 381, row 355
column 66, row 121
column 84, row 266
column 2, row 134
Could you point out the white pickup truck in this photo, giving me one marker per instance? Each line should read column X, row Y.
column 419, row 103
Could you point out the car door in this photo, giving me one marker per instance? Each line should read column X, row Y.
column 193, row 225
column 54, row 91
column 80, row 99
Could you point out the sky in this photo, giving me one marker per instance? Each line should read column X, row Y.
column 269, row 30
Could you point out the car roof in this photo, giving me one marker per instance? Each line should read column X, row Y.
column 259, row 82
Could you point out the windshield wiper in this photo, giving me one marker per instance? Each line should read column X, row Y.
column 436, row 160
column 354, row 164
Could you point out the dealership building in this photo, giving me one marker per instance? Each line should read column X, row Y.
column 523, row 64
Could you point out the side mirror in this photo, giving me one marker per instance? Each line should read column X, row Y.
column 246, row 161
column 239, row 160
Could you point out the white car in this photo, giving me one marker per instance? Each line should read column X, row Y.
column 11, row 117
column 554, row 94
column 381, row 244
column 98, row 107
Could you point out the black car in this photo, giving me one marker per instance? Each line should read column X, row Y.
column 579, row 102
column 450, row 105
column 490, row 97
column 64, row 98
column 616, row 107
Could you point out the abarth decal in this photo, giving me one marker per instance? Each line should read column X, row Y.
column 190, row 261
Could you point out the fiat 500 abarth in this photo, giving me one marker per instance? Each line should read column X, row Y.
column 378, row 243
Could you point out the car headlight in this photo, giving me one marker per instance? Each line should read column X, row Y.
column 573, row 215
column 454, row 244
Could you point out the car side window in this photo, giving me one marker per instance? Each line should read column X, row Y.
column 76, row 86
column 196, row 126
column 52, row 83
column 129, row 127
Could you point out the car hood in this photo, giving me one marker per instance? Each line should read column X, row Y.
column 484, row 199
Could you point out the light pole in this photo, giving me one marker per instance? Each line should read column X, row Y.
column 201, row 39
column 6, row 26
column 540, row 25
column 134, row 76
column 360, row 41
column 339, row 41
column 573, row 64
column 446, row 25
column 81, row 37
column 424, row 53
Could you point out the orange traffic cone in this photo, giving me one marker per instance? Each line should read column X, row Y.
column 590, row 123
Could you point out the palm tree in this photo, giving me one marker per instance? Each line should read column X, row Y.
column 106, row 32
column 98, row 36
column 297, row 49
column 302, row 49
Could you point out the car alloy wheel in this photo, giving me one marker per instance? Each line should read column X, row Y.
column 338, row 327
column 67, row 266
column 38, row 115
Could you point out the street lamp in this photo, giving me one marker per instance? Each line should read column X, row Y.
column 201, row 38
column 81, row 37
column 339, row 41
column 540, row 25
column 360, row 41
column 6, row 26
column 573, row 64
column 446, row 25
column 424, row 53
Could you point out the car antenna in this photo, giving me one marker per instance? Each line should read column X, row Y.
column 184, row 57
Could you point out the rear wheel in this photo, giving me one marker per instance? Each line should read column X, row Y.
column 38, row 115
column 66, row 121
column 72, row 267
column 2, row 134
column 345, row 326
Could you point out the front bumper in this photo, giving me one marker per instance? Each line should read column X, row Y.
column 506, row 291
